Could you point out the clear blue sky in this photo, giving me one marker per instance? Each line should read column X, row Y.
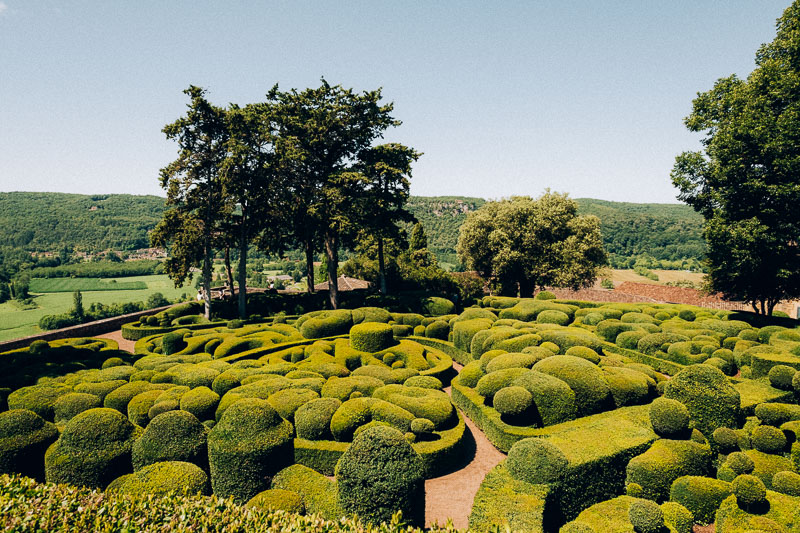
column 504, row 98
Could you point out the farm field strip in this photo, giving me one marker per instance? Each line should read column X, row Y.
column 40, row 285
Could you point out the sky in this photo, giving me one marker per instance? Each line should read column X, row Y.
column 503, row 98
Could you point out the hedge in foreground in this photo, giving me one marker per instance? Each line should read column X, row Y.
column 379, row 474
column 29, row 506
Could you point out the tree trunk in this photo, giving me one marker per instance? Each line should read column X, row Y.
column 526, row 287
column 229, row 270
column 243, row 268
column 207, row 277
column 332, row 253
column 381, row 267
column 310, row 266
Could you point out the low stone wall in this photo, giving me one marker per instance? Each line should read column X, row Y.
column 90, row 329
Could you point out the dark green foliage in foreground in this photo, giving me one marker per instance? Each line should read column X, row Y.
column 379, row 474
column 34, row 507
column 24, row 437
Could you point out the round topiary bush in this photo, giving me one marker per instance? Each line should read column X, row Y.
column 69, row 405
column 544, row 295
column 678, row 517
column 709, row 396
column 371, row 337
column 749, row 491
column 584, row 352
column 592, row 393
column 380, row 474
column 313, row 419
column 249, row 444
column 740, row 463
column 536, row 461
column 425, row 382
column 24, row 437
column 277, row 500
column 172, row 436
column 112, row 362
column 512, row 401
column 201, row 402
column 38, row 398
column 670, row 418
column 552, row 316
column 768, row 439
column 780, row 376
column 94, row 449
column 646, row 516
column 786, row 482
column 163, row 478
column 438, row 329
column 422, row 427
column 726, row 439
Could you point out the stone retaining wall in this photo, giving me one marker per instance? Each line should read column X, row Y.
column 89, row 329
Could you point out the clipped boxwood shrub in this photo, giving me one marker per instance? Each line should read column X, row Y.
column 371, row 337
column 768, row 439
column 38, row 398
column 711, row 399
column 552, row 397
column 437, row 329
column 320, row 495
column 249, row 444
column 512, row 401
column 160, row 479
column 94, row 449
column 277, row 499
column 379, row 474
column 69, row 405
column 786, row 482
column 552, row 316
column 437, row 306
column 313, row 420
column 749, row 491
column 726, row 439
column 670, row 418
column 702, row 496
column 678, row 517
column 665, row 461
column 646, row 516
column 24, row 437
column 536, row 461
column 592, row 393
column 201, row 402
column 172, row 436
column 780, row 376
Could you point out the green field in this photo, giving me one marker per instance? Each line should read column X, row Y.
column 39, row 285
column 15, row 323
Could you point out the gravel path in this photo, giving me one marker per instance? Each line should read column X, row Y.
column 124, row 344
column 451, row 495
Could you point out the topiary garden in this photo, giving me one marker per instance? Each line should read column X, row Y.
column 623, row 417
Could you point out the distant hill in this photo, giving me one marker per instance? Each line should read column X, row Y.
column 664, row 231
column 49, row 221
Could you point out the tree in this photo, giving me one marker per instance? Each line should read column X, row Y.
column 388, row 169
column 418, row 239
column 194, row 191
column 331, row 127
column 744, row 182
column 253, row 179
column 521, row 244
column 77, row 305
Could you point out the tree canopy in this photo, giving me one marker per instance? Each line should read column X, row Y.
column 521, row 244
column 744, row 181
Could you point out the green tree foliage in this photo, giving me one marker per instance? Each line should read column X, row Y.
column 333, row 128
column 418, row 239
column 521, row 244
column 744, row 182
column 194, row 190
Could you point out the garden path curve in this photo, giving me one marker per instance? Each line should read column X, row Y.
column 448, row 496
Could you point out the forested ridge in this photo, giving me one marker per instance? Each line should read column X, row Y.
column 49, row 221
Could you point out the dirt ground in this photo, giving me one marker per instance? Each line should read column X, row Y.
column 451, row 495
column 124, row 344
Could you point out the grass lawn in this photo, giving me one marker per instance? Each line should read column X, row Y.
column 15, row 323
column 618, row 276
column 39, row 285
